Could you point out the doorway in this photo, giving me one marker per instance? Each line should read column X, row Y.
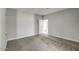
column 43, row 26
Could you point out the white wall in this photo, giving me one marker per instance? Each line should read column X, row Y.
column 64, row 24
column 25, row 24
column 11, row 23
column 3, row 37
column 37, row 18
column 19, row 24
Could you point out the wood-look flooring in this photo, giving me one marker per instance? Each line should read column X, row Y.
column 42, row 43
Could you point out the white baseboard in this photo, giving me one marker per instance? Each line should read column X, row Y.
column 15, row 38
column 18, row 37
column 67, row 38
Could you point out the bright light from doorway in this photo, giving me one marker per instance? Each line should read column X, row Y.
column 43, row 26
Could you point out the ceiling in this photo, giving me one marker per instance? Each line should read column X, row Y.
column 40, row 11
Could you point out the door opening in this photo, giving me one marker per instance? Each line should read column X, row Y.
column 43, row 26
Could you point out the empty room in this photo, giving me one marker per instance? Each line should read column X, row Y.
column 39, row 29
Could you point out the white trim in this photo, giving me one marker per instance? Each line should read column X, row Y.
column 76, row 40
column 17, row 38
column 67, row 38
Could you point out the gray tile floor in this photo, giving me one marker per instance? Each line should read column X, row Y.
column 42, row 43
